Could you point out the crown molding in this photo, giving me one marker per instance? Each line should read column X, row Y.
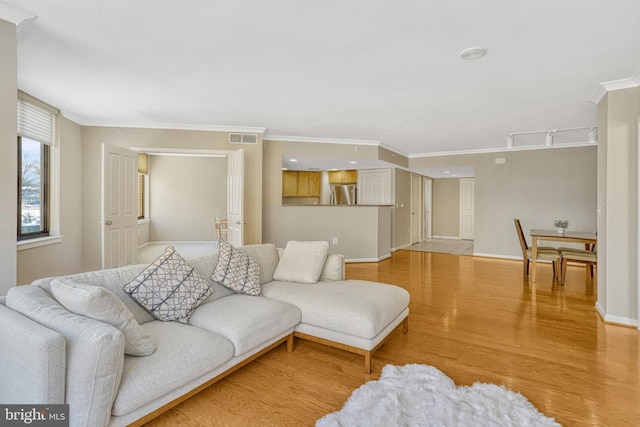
column 170, row 126
column 16, row 16
column 287, row 138
column 502, row 150
column 604, row 87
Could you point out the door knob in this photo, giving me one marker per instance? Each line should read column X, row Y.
column 108, row 222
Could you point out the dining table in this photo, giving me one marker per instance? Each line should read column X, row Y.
column 588, row 238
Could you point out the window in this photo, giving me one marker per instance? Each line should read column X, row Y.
column 141, row 195
column 143, row 186
column 35, row 138
column 33, row 189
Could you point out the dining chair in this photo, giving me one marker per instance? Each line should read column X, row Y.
column 547, row 253
column 221, row 228
column 588, row 257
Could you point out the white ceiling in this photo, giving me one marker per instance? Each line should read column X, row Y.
column 371, row 70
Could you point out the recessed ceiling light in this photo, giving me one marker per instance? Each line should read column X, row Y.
column 293, row 160
column 447, row 171
column 473, row 53
column 353, row 163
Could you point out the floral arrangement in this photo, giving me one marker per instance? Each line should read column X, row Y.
column 561, row 223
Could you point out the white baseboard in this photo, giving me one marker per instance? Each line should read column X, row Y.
column 368, row 259
column 180, row 242
column 446, row 237
column 616, row 320
column 399, row 248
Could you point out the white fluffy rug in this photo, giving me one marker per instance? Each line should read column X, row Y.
column 421, row 395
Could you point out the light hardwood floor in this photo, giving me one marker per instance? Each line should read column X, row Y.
column 473, row 318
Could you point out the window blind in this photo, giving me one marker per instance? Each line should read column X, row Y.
column 35, row 123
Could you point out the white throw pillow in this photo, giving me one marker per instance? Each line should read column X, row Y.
column 237, row 271
column 302, row 262
column 101, row 304
column 169, row 288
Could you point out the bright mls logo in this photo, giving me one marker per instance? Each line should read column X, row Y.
column 34, row 415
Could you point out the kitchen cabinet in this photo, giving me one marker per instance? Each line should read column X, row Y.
column 343, row 177
column 300, row 184
column 289, row 184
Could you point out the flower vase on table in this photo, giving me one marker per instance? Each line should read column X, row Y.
column 561, row 225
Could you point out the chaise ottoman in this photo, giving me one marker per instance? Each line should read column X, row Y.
column 352, row 315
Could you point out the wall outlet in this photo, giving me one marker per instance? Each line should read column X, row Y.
column 335, row 241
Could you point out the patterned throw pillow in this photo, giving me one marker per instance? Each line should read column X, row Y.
column 169, row 288
column 237, row 271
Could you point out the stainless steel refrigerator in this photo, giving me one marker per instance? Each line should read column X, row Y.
column 343, row 194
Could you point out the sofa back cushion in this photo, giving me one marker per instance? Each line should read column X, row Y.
column 94, row 350
column 266, row 256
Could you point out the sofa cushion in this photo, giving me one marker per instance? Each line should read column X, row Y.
column 101, row 304
column 302, row 262
column 237, row 271
column 353, row 307
column 246, row 321
column 169, row 288
column 95, row 354
column 183, row 354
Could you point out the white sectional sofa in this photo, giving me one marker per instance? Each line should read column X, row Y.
column 53, row 355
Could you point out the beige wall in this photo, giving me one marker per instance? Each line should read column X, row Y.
column 186, row 194
column 93, row 137
column 392, row 157
column 536, row 186
column 446, row 207
column 8, row 155
column 618, row 116
column 352, row 225
column 601, row 271
column 65, row 257
column 402, row 209
column 363, row 232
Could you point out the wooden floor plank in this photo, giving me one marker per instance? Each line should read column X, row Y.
column 475, row 319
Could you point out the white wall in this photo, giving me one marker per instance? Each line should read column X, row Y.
column 186, row 194
column 8, row 155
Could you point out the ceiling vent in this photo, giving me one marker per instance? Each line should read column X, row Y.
column 243, row 138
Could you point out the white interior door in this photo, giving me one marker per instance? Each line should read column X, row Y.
column 416, row 208
column 428, row 203
column 235, row 197
column 119, row 206
column 467, row 208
